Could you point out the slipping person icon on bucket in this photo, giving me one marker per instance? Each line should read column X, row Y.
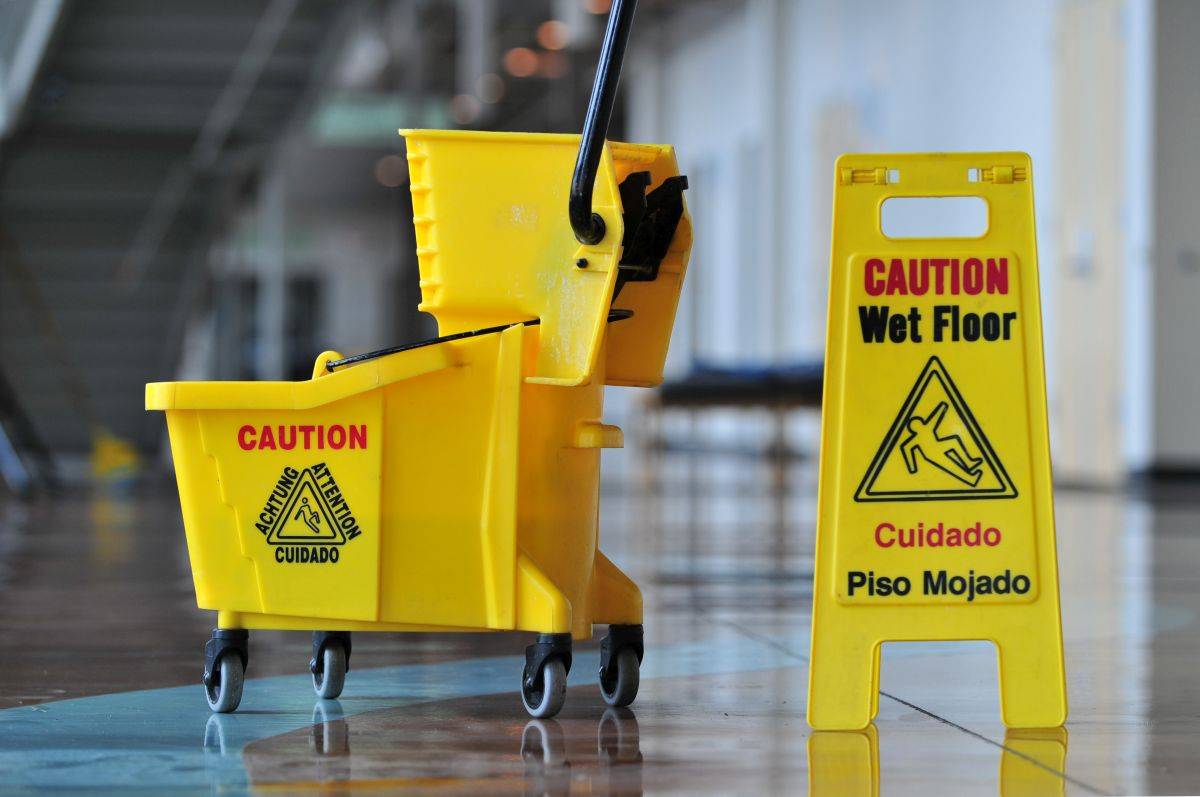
column 309, row 516
column 947, row 453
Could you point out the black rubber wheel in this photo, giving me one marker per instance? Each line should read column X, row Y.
column 546, row 695
column 328, row 683
column 619, row 683
column 226, row 692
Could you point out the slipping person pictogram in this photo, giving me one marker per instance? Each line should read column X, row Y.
column 935, row 449
column 946, row 453
column 309, row 516
column 303, row 515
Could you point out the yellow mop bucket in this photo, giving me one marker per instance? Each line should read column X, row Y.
column 451, row 484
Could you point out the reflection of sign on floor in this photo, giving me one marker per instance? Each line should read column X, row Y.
column 935, row 449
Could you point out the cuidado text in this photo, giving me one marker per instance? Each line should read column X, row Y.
column 937, row 535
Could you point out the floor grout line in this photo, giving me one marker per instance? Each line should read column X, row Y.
column 783, row 648
column 1069, row 778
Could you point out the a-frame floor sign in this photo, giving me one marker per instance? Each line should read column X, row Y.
column 936, row 515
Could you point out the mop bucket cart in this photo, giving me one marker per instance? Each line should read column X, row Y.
column 450, row 485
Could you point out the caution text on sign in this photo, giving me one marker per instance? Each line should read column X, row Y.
column 935, row 510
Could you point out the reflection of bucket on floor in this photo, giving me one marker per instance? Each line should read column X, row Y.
column 619, row 750
column 222, row 756
column 330, row 743
column 114, row 461
column 544, row 750
column 618, row 739
column 330, row 733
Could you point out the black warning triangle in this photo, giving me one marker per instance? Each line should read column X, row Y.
column 935, row 449
column 307, row 518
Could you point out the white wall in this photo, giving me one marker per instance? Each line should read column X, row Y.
column 1137, row 219
column 1176, row 261
column 760, row 97
column 688, row 85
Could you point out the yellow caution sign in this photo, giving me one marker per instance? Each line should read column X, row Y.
column 936, row 518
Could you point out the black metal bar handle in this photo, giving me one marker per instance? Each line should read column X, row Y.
column 613, row 315
column 588, row 226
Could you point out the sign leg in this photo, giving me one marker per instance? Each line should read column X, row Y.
column 1033, row 692
column 843, row 682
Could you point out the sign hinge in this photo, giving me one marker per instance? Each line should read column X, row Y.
column 877, row 176
column 1003, row 174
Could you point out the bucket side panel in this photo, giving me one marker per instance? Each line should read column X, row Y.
column 223, row 577
column 558, row 500
column 303, row 487
column 436, row 467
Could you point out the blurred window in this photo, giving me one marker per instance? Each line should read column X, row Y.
column 303, row 322
column 237, row 328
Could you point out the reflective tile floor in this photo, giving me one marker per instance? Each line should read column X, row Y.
column 101, row 652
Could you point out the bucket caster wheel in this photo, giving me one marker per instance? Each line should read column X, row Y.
column 330, row 662
column 545, row 695
column 619, row 682
column 621, row 653
column 225, row 693
column 544, row 679
column 225, row 658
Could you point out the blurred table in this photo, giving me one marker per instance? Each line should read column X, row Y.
column 779, row 389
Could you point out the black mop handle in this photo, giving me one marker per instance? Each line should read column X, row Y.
column 588, row 226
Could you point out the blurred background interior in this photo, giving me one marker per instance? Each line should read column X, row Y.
column 217, row 191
